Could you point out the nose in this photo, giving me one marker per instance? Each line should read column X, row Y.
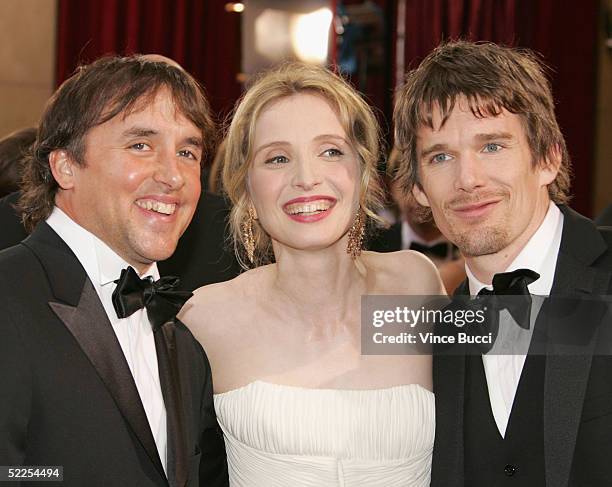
column 169, row 171
column 471, row 173
column 306, row 173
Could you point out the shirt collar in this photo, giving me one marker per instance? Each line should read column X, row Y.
column 539, row 255
column 101, row 263
column 110, row 264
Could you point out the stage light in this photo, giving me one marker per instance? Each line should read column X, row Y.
column 234, row 7
column 310, row 35
column 272, row 34
column 274, row 31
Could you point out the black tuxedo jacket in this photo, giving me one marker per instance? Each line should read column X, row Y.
column 68, row 397
column 577, row 411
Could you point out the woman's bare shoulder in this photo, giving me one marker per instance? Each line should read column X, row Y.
column 404, row 272
column 216, row 308
column 208, row 301
column 220, row 316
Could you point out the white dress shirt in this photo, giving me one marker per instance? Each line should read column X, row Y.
column 540, row 255
column 103, row 266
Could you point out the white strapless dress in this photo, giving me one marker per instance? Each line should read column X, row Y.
column 284, row 436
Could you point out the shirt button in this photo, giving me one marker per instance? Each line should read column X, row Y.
column 510, row 470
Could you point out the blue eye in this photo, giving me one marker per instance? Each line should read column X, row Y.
column 492, row 147
column 333, row 152
column 441, row 158
column 277, row 160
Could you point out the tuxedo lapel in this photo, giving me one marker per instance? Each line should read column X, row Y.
column 449, row 389
column 79, row 308
column 566, row 376
column 165, row 346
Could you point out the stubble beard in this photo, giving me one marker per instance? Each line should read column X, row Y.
column 488, row 237
column 481, row 241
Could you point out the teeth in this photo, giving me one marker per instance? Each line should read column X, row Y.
column 157, row 206
column 312, row 207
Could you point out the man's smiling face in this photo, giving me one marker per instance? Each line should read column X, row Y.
column 477, row 176
column 139, row 183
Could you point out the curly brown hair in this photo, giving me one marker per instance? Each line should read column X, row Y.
column 491, row 78
column 93, row 95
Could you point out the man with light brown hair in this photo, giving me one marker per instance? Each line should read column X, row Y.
column 483, row 154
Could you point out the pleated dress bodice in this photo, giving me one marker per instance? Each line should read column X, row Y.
column 278, row 435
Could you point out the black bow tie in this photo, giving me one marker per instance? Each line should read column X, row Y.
column 437, row 250
column 510, row 292
column 159, row 298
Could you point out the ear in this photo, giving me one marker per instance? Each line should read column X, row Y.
column 62, row 168
column 420, row 195
column 549, row 167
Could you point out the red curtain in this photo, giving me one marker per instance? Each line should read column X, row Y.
column 430, row 21
column 205, row 39
column 199, row 35
column 563, row 32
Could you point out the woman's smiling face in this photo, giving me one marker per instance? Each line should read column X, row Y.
column 304, row 173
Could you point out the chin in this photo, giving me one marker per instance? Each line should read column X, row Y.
column 485, row 241
column 158, row 253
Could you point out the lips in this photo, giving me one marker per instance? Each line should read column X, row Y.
column 475, row 210
column 164, row 206
column 309, row 209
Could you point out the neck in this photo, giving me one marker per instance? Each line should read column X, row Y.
column 484, row 267
column 319, row 285
column 141, row 269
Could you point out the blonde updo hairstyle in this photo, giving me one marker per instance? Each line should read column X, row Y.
column 356, row 118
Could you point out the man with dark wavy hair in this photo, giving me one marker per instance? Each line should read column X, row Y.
column 483, row 154
column 97, row 375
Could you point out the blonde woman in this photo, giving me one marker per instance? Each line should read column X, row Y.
column 297, row 402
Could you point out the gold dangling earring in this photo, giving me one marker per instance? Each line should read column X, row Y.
column 355, row 235
column 247, row 235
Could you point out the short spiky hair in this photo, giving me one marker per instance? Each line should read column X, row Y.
column 491, row 78
column 109, row 87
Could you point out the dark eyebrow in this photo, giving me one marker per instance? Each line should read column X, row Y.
column 147, row 132
column 480, row 138
column 195, row 141
column 139, row 132
column 494, row 136
column 434, row 148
